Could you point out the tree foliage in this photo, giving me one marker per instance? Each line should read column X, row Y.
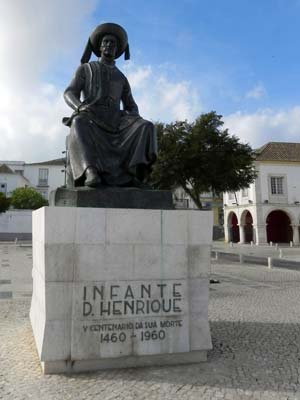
column 201, row 157
column 27, row 198
column 4, row 203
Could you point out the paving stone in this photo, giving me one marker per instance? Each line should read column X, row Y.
column 255, row 325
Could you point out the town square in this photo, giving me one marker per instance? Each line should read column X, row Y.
column 149, row 200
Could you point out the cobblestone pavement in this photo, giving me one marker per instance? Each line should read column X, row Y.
column 255, row 320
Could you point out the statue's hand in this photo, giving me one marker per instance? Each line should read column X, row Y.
column 82, row 107
column 132, row 113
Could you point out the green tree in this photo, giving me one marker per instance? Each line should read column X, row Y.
column 4, row 203
column 27, row 198
column 201, row 157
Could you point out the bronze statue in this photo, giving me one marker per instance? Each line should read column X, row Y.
column 107, row 144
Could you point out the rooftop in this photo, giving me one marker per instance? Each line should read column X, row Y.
column 57, row 161
column 279, row 151
column 4, row 169
column 9, row 162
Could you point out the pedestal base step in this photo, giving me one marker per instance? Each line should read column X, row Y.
column 59, row 367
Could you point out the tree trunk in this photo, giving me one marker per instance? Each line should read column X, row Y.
column 195, row 197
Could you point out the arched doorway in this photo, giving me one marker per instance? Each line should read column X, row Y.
column 248, row 227
column 234, row 228
column 279, row 228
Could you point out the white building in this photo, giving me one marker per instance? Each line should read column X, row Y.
column 44, row 176
column 269, row 210
column 10, row 180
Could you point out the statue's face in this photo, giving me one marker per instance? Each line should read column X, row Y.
column 109, row 47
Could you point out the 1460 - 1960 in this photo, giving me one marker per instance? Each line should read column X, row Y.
column 122, row 336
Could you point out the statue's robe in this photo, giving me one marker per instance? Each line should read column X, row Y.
column 114, row 141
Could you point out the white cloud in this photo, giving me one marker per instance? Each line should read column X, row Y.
column 139, row 76
column 160, row 98
column 31, row 127
column 265, row 125
column 34, row 36
column 256, row 92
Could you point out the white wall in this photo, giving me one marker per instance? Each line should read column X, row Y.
column 56, row 178
column 12, row 182
column 260, row 191
column 292, row 173
column 16, row 221
column 240, row 199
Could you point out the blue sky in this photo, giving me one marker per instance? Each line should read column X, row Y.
column 237, row 57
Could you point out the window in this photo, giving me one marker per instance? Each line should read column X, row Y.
column 182, row 203
column 43, row 176
column 19, row 171
column 276, row 184
column 231, row 196
column 245, row 192
column 181, row 194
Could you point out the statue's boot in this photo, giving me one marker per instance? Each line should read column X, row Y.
column 140, row 185
column 92, row 177
column 141, row 178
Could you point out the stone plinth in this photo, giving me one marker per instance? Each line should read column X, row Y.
column 112, row 197
column 119, row 287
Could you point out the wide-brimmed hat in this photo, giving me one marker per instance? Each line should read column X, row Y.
column 94, row 41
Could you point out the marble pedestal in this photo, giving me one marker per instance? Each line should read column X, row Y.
column 120, row 287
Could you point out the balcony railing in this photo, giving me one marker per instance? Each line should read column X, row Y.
column 43, row 182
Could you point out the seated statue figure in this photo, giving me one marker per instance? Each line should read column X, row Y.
column 107, row 145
